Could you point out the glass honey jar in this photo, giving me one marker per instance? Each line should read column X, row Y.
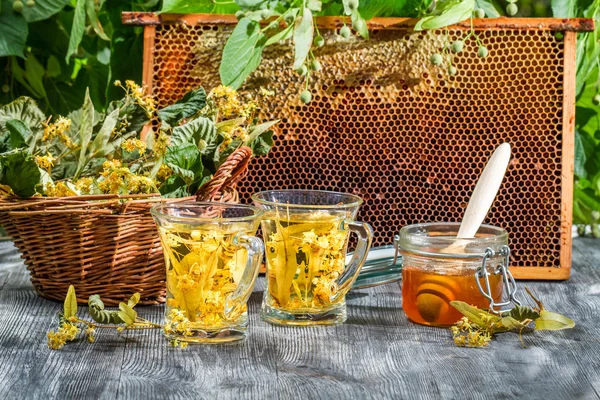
column 438, row 268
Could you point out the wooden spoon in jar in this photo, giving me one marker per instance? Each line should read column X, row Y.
column 482, row 198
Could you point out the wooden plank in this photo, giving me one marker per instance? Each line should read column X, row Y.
column 568, row 148
column 148, row 70
column 541, row 273
column 376, row 354
column 547, row 24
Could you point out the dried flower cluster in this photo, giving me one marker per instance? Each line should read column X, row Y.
column 91, row 153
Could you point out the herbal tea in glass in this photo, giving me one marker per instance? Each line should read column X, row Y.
column 211, row 261
column 306, row 237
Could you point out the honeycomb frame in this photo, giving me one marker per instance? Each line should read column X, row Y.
column 406, row 136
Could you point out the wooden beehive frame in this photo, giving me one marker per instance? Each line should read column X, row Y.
column 553, row 247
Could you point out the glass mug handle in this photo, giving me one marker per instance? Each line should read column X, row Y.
column 254, row 247
column 365, row 238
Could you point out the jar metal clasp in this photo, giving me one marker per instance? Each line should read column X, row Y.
column 508, row 280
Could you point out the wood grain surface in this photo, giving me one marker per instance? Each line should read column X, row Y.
column 377, row 354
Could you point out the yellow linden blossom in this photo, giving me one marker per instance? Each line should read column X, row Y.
column 160, row 144
column 164, row 173
column 65, row 333
column 240, row 133
column 131, row 145
column 226, row 100
column 117, row 179
column 266, row 93
column 45, row 162
column 178, row 323
column 139, row 96
column 60, row 189
column 58, row 130
column 466, row 334
column 56, row 340
column 84, row 185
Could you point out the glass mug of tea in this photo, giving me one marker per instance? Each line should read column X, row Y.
column 306, row 238
column 212, row 259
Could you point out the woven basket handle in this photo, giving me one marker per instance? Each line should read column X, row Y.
column 222, row 186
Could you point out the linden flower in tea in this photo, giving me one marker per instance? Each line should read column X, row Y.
column 203, row 269
column 305, row 255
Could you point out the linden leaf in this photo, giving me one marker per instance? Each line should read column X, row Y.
column 549, row 321
column 70, row 306
column 127, row 314
column 515, row 324
column 475, row 315
column 133, row 300
column 521, row 313
column 303, row 38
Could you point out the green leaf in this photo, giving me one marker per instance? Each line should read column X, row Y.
column 283, row 34
column 20, row 133
column 77, row 29
column 85, row 132
column 95, row 23
column 521, row 313
column 198, row 7
column 303, row 38
column 186, row 107
column 19, row 171
column 242, row 53
column 24, row 109
column 43, row 9
column 385, row 8
column 186, row 162
column 53, row 68
column 20, row 76
column 70, row 305
column 133, row 300
column 35, row 74
column 564, row 8
column 100, row 145
column 249, row 3
column 13, row 31
column 174, row 187
column 549, row 321
column 580, row 157
column 514, row 324
column 262, row 144
column 449, row 12
column 201, row 131
column 488, row 7
column 127, row 314
column 475, row 315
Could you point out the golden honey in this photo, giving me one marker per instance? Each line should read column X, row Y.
column 426, row 294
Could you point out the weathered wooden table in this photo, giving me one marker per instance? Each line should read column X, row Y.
column 377, row 354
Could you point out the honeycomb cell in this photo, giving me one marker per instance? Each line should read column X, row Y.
column 407, row 137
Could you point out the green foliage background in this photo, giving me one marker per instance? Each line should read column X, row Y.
column 58, row 48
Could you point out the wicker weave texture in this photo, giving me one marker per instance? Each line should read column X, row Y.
column 104, row 244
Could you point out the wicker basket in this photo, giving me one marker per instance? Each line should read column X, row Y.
column 103, row 244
